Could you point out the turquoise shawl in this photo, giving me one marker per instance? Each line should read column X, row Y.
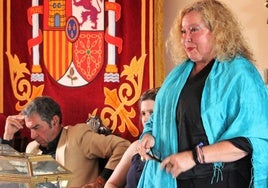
column 234, row 104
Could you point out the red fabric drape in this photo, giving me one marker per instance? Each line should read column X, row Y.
column 81, row 55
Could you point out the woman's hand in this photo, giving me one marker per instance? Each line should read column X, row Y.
column 223, row 151
column 178, row 163
column 144, row 146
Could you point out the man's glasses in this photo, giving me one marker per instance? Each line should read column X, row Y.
column 154, row 154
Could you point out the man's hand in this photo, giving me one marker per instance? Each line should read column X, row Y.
column 13, row 124
column 99, row 183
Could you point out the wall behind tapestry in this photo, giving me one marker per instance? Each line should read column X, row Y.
column 92, row 56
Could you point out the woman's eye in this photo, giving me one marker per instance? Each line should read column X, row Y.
column 194, row 29
column 183, row 31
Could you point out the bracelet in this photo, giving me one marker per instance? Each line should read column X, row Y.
column 198, row 154
column 194, row 152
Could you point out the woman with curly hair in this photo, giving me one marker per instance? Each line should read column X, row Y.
column 209, row 126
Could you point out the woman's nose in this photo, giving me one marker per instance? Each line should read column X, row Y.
column 146, row 117
column 188, row 36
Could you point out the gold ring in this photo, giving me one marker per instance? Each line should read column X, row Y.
column 169, row 165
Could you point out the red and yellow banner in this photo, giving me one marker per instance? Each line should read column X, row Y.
column 90, row 56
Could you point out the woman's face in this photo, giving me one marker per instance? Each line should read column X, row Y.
column 146, row 107
column 197, row 39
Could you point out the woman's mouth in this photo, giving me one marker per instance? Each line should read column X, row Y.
column 189, row 49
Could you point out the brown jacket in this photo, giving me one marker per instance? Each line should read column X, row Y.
column 79, row 149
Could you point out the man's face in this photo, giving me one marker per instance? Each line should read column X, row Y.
column 41, row 131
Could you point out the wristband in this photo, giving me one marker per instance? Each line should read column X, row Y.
column 195, row 156
column 198, row 154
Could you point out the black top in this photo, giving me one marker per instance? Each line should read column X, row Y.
column 134, row 172
column 51, row 147
column 191, row 130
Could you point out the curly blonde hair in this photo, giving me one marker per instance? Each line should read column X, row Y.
column 226, row 30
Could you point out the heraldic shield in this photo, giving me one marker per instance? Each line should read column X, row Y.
column 73, row 40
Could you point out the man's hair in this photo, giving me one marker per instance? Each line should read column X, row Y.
column 44, row 106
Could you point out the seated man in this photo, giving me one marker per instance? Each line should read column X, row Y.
column 78, row 147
